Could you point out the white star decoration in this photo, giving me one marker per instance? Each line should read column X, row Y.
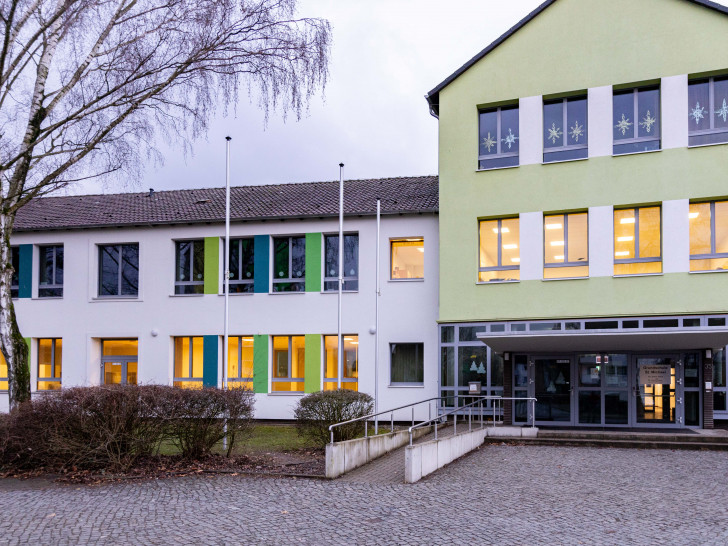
column 576, row 131
column 489, row 142
column 623, row 125
column 510, row 140
column 648, row 122
column 697, row 113
column 723, row 112
column 555, row 133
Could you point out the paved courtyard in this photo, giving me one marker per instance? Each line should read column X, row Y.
column 498, row 494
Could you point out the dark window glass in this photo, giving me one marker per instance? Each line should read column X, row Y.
column 472, row 365
column 630, row 324
column 447, row 367
column 447, row 334
column 351, row 262
column 660, row 323
column 543, row 326
column 407, row 362
column 719, row 369
column 119, row 270
column 565, row 129
column 470, row 333
column 190, row 267
column 518, row 327
column 708, row 111
column 692, row 408
column 15, row 279
column 590, row 407
column 691, row 322
column 498, row 143
column 601, row 325
column 289, row 263
column 242, row 265
column 636, row 120
column 496, row 370
column 716, row 322
column 50, row 262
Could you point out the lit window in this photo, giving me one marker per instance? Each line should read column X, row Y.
column 289, row 264
column 50, row 283
column 500, row 253
column 351, row 262
column 350, row 363
column 242, row 265
column 498, row 138
column 119, row 270
column 708, row 111
column 289, row 359
column 119, row 361
column 407, row 363
column 637, row 241
column 709, row 236
column 636, row 120
column 240, row 362
column 408, row 258
column 3, row 373
column 565, row 129
column 50, row 352
column 188, row 362
column 189, row 267
column 15, row 280
column 566, row 246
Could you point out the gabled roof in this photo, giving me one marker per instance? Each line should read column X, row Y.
column 433, row 97
column 410, row 195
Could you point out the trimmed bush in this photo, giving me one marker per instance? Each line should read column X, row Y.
column 319, row 410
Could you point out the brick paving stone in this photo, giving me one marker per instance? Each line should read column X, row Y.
column 498, row 494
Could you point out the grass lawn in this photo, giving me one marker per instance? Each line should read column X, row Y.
column 266, row 438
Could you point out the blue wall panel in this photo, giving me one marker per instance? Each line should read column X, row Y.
column 25, row 273
column 209, row 361
column 261, row 269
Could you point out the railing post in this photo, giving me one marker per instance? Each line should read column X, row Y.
column 533, row 413
column 470, row 418
column 332, row 435
column 455, row 422
column 494, row 406
column 410, row 439
column 366, row 428
column 391, row 422
column 413, row 416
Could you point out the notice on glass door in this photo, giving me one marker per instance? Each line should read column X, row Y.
column 655, row 374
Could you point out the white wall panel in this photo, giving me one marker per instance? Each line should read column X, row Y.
column 674, row 104
column 601, row 241
column 531, row 233
column 530, row 127
column 600, row 121
column 676, row 236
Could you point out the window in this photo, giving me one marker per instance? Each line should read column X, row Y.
column 636, row 118
column 50, row 282
column 350, row 363
column 241, row 265
column 566, row 246
column 190, row 267
column 407, row 258
column 498, row 143
column 407, row 363
column 50, row 353
column 637, row 243
column 719, row 382
column 289, row 359
column 289, row 264
column 3, row 373
column 709, row 236
column 565, row 129
column 708, row 111
column 240, row 362
column 119, row 270
column 15, row 280
column 351, row 262
column 499, row 253
column 119, row 361
column 188, row 362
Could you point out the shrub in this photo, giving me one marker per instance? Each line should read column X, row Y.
column 319, row 410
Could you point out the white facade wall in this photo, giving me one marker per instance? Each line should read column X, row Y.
column 408, row 309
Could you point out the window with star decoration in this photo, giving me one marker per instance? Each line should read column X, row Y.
column 636, row 120
column 708, row 111
column 498, row 138
column 564, row 129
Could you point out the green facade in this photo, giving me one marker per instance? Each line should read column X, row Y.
column 260, row 364
column 312, row 366
column 615, row 47
column 313, row 262
column 212, row 265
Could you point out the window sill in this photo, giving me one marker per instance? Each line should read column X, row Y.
column 335, row 292
column 406, row 280
column 708, row 271
column 707, row 145
column 496, row 169
column 565, row 161
column 638, row 275
column 116, row 298
column 286, row 394
column 495, row 283
column 186, row 295
column 232, row 294
column 287, row 293
column 566, row 279
column 637, row 153
column 406, row 386
column 41, row 298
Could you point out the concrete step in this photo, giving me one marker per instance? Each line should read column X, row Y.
column 653, row 443
column 633, row 436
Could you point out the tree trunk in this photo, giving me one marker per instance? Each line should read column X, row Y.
column 13, row 346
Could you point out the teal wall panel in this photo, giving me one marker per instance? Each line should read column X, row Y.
column 261, row 269
column 25, row 273
column 209, row 361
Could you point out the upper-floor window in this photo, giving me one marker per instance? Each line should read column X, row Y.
column 637, row 241
column 50, row 262
column 189, row 267
column 289, row 264
column 289, row 361
column 15, row 279
column 636, row 119
column 498, row 138
column 240, row 362
column 708, row 111
column 709, row 236
column 350, row 363
column 351, row 262
column 50, row 353
column 500, row 258
column 188, row 362
column 407, row 258
column 242, row 265
column 566, row 246
column 119, row 270
column 565, row 129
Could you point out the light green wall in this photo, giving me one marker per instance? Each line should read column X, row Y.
column 616, row 42
column 260, row 364
column 312, row 366
column 212, row 264
column 313, row 262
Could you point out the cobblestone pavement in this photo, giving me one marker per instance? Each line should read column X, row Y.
column 498, row 494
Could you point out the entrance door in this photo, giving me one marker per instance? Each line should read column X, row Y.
column 119, row 372
column 658, row 402
column 602, row 389
column 553, row 390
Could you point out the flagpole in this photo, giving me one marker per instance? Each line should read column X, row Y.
column 226, row 281
column 376, row 324
column 341, row 270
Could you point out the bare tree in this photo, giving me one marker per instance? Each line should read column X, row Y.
column 87, row 85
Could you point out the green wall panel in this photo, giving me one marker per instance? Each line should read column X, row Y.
column 260, row 364
column 212, row 265
column 312, row 367
column 313, row 262
column 210, row 351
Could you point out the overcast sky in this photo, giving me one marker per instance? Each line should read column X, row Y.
column 386, row 55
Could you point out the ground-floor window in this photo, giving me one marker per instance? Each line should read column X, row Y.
column 3, row 373
column 289, row 359
column 240, row 362
column 350, row 377
column 49, row 364
column 407, row 363
column 119, row 361
column 188, row 362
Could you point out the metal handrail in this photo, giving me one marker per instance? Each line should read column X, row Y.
column 470, row 416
